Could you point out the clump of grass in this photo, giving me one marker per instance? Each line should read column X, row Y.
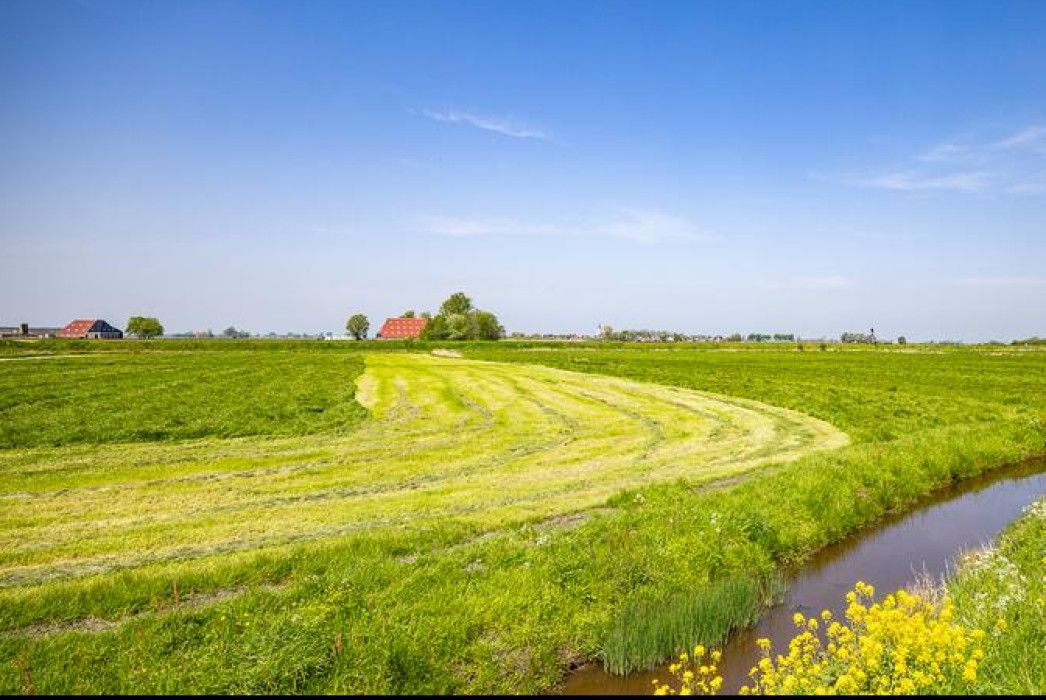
column 648, row 624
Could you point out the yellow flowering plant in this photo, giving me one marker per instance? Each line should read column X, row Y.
column 697, row 676
column 903, row 645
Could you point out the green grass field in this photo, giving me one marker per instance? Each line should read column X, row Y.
column 100, row 398
column 268, row 517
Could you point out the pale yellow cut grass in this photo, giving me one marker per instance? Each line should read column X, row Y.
column 486, row 442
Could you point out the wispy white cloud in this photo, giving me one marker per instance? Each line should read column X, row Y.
column 911, row 182
column 638, row 225
column 944, row 153
column 1011, row 165
column 506, row 127
column 1028, row 136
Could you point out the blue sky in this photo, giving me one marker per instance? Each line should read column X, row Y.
column 706, row 167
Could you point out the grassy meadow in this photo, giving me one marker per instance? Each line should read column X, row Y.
column 108, row 398
column 259, row 516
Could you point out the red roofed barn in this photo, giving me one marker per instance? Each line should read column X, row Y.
column 90, row 328
column 401, row 328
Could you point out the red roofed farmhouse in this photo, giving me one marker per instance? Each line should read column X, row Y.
column 89, row 328
column 400, row 328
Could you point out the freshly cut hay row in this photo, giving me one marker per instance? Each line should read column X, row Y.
column 487, row 442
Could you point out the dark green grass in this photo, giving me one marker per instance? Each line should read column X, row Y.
column 105, row 398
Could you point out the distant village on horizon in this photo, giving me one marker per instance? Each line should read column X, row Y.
column 410, row 328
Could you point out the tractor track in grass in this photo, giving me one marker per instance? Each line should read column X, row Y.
column 495, row 444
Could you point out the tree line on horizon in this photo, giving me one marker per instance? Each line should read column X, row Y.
column 459, row 319
column 147, row 327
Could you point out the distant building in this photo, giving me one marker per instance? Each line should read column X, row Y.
column 402, row 328
column 25, row 331
column 90, row 328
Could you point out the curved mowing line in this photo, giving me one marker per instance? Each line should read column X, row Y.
column 488, row 442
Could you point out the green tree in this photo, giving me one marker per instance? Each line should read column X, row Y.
column 487, row 326
column 357, row 326
column 902, row 340
column 409, row 313
column 458, row 319
column 435, row 329
column 459, row 327
column 456, row 303
column 144, row 326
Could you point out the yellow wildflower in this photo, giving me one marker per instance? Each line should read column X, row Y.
column 903, row 644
